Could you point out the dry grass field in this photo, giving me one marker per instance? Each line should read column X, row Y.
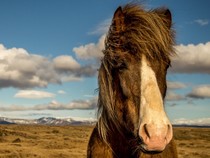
column 20, row 141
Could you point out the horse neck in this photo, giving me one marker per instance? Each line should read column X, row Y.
column 121, row 143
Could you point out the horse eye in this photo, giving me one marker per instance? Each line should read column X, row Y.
column 122, row 66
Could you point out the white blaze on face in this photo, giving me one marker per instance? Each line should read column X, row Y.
column 151, row 98
column 155, row 128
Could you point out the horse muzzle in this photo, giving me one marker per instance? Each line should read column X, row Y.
column 155, row 138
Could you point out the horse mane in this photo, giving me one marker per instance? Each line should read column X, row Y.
column 142, row 32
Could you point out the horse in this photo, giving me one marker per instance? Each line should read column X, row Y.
column 132, row 122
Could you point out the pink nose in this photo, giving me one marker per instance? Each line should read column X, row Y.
column 155, row 138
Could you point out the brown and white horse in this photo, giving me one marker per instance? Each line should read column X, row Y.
column 132, row 86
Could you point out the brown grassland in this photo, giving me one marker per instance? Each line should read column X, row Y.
column 17, row 141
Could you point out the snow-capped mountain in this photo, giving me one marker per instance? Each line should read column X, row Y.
column 202, row 122
column 48, row 121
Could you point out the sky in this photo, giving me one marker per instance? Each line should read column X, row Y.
column 50, row 52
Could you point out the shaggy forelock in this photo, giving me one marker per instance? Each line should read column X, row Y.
column 145, row 32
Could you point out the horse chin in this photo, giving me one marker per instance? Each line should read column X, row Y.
column 152, row 152
column 145, row 150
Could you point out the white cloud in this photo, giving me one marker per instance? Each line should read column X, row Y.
column 66, row 62
column 33, row 94
column 202, row 22
column 61, row 92
column 200, row 92
column 192, row 59
column 69, row 78
column 199, row 121
column 20, row 69
column 54, row 105
column 91, row 50
column 14, row 108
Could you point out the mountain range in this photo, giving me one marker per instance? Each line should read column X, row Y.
column 79, row 121
column 48, row 121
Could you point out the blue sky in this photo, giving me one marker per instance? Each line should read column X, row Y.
column 50, row 51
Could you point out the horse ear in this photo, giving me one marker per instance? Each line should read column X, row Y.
column 118, row 19
column 166, row 14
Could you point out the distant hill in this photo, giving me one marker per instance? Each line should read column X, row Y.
column 195, row 126
column 48, row 121
column 5, row 122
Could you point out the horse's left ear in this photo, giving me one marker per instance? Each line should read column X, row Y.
column 166, row 13
column 168, row 17
column 118, row 19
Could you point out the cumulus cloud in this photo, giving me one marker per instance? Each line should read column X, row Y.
column 70, row 70
column 91, row 50
column 65, row 62
column 192, row 59
column 175, row 85
column 21, row 69
column 200, row 92
column 78, row 74
column 87, row 71
column 202, row 22
column 55, row 105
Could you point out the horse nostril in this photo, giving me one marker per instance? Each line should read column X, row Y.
column 146, row 130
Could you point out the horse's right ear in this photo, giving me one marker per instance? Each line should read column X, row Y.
column 118, row 19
